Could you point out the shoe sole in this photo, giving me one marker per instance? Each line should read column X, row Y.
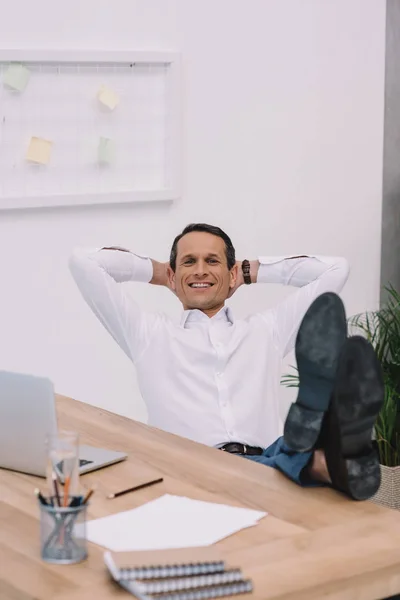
column 319, row 341
column 358, row 397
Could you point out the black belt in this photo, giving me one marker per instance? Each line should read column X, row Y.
column 236, row 448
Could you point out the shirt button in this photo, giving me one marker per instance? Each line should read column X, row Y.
column 219, row 374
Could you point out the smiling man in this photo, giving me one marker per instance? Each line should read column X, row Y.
column 215, row 379
column 205, row 273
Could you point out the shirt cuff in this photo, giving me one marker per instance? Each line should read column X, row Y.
column 273, row 269
column 271, row 260
column 126, row 265
column 144, row 268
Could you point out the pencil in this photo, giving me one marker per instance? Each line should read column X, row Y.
column 88, row 495
column 137, row 487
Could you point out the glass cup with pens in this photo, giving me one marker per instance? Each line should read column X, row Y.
column 63, row 510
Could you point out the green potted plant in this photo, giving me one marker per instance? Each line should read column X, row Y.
column 382, row 329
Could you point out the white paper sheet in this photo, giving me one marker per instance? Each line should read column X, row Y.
column 170, row 522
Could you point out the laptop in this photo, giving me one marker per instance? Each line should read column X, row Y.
column 27, row 417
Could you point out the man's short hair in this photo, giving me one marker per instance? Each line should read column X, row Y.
column 229, row 248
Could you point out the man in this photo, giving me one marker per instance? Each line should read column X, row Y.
column 215, row 379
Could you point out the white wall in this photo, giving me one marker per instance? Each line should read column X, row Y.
column 283, row 126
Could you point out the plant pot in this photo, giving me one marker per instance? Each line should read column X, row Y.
column 389, row 490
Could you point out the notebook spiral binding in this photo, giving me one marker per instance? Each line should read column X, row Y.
column 232, row 589
column 188, row 583
column 166, row 571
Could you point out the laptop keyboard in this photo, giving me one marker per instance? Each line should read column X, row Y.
column 82, row 463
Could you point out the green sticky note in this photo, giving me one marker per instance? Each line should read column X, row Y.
column 105, row 152
column 16, row 77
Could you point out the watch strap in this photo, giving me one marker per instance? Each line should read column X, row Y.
column 246, row 272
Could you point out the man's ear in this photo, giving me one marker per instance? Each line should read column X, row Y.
column 171, row 278
column 234, row 275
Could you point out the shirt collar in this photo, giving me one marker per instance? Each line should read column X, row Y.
column 196, row 315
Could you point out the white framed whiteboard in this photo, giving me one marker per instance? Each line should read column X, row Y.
column 60, row 106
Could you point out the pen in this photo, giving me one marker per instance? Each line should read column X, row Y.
column 80, row 500
column 137, row 487
column 40, row 497
column 76, row 501
column 55, row 484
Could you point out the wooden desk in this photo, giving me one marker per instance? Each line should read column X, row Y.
column 314, row 544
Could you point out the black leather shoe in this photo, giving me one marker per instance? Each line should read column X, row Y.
column 358, row 396
column 319, row 342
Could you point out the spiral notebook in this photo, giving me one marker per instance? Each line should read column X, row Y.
column 181, row 574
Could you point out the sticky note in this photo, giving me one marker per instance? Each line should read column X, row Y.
column 16, row 77
column 105, row 152
column 108, row 97
column 39, row 151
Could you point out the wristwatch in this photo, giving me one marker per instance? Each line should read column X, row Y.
column 246, row 272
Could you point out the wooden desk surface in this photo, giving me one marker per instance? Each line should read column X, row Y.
column 314, row 543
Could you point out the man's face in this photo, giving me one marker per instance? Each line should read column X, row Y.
column 202, row 279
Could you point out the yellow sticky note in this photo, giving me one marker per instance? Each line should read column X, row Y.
column 39, row 151
column 105, row 152
column 16, row 77
column 108, row 97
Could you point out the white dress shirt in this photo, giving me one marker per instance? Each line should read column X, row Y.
column 211, row 380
